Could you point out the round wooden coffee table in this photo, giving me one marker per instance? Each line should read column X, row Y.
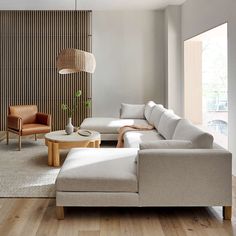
column 60, row 140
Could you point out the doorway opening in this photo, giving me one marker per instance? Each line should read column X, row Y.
column 206, row 82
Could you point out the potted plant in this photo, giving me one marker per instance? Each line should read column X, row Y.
column 70, row 110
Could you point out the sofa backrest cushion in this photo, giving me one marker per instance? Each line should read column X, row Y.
column 167, row 124
column 148, row 109
column 185, row 130
column 132, row 111
column 156, row 114
column 166, row 144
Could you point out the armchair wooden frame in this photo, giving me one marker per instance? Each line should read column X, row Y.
column 39, row 124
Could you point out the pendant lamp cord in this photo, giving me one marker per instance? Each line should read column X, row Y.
column 75, row 5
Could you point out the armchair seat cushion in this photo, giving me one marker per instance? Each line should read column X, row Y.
column 28, row 129
column 99, row 170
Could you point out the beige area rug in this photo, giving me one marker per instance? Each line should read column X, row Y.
column 25, row 173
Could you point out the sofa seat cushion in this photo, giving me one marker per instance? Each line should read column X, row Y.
column 185, row 130
column 99, row 170
column 132, row 139
column 109, row 125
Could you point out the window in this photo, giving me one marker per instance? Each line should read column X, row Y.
column 206, row 82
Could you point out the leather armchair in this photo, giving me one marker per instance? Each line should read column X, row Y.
column 26, row 120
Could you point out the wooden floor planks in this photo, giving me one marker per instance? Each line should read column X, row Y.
column 37, row 217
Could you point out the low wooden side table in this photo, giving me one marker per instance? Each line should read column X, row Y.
column 60, row 140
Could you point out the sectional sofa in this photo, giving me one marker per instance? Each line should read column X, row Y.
column 175, row 164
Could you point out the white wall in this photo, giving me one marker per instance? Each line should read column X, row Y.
column 129, row 50
column 173, row 56
column 199, row 16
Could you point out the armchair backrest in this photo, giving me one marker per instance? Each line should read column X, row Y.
column 26, row 112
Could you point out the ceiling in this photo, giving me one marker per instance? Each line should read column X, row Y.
column 86, row 4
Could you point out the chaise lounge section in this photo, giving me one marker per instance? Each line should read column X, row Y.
column 108, row 127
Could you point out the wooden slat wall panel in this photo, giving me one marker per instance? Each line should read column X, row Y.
column 29, row 44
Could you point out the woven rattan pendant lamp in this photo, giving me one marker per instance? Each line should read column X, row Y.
column 72, row 60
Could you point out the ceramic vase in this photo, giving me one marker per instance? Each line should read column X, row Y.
column 69, row 127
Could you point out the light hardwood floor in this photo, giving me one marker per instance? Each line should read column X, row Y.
column 32, row 216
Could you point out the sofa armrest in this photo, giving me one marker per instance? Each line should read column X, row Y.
column 43, row 118
column 185, row 177
column 14, row 122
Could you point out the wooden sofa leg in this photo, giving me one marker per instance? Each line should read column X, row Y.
column 35, row 137
column 60, row 212
column 227, row 212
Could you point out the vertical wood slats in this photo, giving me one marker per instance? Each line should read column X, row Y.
column 29, row 44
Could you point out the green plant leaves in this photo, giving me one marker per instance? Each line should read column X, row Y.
column 64, row 107
column 75, row 104
column 78, row 93
column 88, row 103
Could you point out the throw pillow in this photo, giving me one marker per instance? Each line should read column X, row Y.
column 167, row 124
column 132, row 111
column 148, row 109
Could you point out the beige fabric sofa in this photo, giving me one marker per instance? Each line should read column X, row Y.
column 175, row 164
